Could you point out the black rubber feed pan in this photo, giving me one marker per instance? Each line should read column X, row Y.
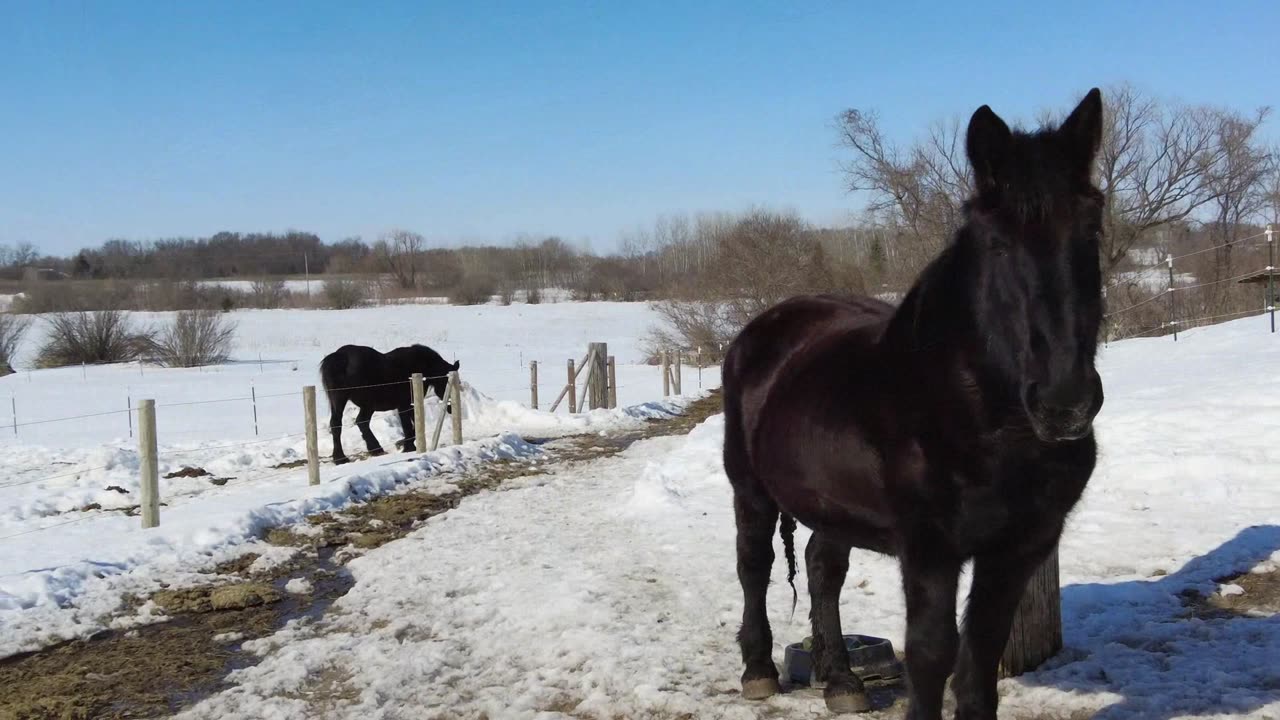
column 871, row 658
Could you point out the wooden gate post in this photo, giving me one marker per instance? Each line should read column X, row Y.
column 533, row 384
column 1037, row 625
column 457, row 407
column 598, row 388
column 419, row 412
column 613, row 383
column 313, row 443
column 148, row 465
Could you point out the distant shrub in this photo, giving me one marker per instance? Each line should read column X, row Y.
column 194, row 338
column 105, row 336
column 476, row 289
column 12, row 328
column 268, row 293
column 533, row 295
column 344, row 293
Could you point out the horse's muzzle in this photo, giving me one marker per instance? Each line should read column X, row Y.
column 1065, row 411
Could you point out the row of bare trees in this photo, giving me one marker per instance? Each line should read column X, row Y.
column 1162, row 164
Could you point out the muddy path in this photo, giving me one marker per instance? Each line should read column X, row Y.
column 157, row 669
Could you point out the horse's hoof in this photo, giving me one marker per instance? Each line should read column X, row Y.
column 843, row 699
column 410, row 448
column 760, row 688
column 377, row 453
column 341, row 460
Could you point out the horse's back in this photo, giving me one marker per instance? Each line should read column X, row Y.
column 796, row 380
column 787, row 332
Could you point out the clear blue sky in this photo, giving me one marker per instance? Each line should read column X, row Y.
column 474, row 121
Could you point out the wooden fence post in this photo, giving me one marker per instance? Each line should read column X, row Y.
column 1173, row 302
column 313, row 442
column 666, row 374
column 533, row 384
column 679, row 371
column 699, row 367
column 573, row 389
column 1037, row 625
column 613, row 383
column 598, row 387
column 457, row 407
column 148, row 465
column 419, row 412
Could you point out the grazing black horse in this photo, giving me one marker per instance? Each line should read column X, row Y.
column 957, row 426
column 379, row 381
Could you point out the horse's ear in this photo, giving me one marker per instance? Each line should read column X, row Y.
column 457, row 364
column 987, row 142
column 1082, row 132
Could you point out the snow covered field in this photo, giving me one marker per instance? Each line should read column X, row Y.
column 66, row 552
column 608, row 591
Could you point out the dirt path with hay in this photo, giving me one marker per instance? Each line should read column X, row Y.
column 157, row 669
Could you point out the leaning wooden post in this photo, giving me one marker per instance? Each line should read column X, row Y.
column 533, row 384
column 666, row 374
column 448, row 394
column 1037, row 625
column 419, row 412
column 598, row 387
column 313, row 442
column 613, row 383
column 149, row 466
column 573, row 389
column 457, row 407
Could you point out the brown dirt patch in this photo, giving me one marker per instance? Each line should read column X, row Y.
column 188, row 472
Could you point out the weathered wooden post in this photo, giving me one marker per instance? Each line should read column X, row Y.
column 448, row 394
column 533, row 384
column 679, row 371
column 666, row 374
column 148, row 465
column 1037, row 625
column 572, row 387
column 1173, row 301
column 598, row 388
column 699, row 367
column 613, row 383
column 1271, row 277
column 419, row 412
column 313, row 442
column 456, row 415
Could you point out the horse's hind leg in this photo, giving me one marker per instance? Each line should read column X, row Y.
column 337, row 403
column 370, row 441
column 827, row 564
column 756, row 517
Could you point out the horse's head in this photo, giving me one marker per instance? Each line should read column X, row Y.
column 1036, row 220
column 439, row 383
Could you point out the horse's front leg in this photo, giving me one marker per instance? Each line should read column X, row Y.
column 999, row 582
column 827, row 564
column 929, row 578
column 409, row 444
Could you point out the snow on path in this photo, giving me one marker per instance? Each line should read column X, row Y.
column 608, row 590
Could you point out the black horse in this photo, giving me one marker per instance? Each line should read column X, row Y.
column 957, row 426
column 379, row 381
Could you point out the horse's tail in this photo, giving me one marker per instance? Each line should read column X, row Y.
column 333, row 371
column 787, row 529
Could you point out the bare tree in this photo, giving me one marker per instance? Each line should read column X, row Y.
column 399, row 252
